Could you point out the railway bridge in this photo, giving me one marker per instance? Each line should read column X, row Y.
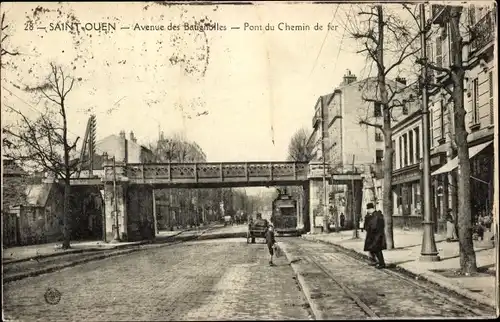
column 134, row 183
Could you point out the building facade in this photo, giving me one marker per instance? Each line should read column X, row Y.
column 480, row 102
column 406, row 176
column 348, row 145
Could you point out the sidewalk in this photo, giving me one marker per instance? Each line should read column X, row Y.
column 480, row 287
column 23, row 253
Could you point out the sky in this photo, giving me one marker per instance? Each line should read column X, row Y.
column 255, row 89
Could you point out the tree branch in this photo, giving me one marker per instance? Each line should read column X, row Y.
column 367, row 123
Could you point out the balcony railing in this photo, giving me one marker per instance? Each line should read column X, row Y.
column 483, row 32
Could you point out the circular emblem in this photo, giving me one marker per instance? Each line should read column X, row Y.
column 52, row 296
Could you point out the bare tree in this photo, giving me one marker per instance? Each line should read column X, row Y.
column 300, row 149
column 43, row 143
column 4, row 36
column 388, row 42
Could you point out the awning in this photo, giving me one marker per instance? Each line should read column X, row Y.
column 454, row 162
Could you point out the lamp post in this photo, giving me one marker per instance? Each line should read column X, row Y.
column 429, row 251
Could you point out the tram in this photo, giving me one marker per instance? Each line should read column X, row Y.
column 284, row 215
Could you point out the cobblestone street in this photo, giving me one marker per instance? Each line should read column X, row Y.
column 207, row 280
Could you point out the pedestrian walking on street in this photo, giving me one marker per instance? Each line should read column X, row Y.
column 270, row 241
column 375, row 235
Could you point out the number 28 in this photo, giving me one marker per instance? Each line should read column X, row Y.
column 28, row 25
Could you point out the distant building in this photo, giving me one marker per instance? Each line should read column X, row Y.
column 123, row 149
column 118, row 146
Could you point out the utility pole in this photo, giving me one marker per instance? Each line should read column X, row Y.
column 115, row 199
column 353, row 211
column 429, row 251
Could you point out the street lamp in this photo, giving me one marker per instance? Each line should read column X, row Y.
column 429, row 251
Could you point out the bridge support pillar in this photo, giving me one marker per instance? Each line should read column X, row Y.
column 140, row 209
column 315, row 205
column 109, row 210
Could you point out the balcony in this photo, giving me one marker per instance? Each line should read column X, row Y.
column 483, row 33
column 439, row 13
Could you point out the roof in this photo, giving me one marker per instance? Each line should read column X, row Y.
column 38, row 194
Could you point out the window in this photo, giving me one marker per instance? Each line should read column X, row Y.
column 379, row 156
column 405, row 108
column 378, row 137
column 441, row 120
column 405, row 149
column 475, row 101
column 417, row 144
column 377, row 109
column 492, row 107
column 400, row 151
column 394, row 154
column 439, row 52
column 410, row 135
column 431, row 130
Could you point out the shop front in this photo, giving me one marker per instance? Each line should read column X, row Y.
column 481, row 180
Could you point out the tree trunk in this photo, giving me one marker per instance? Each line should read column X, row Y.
column 389, row 151
column 466, row 245
column 66, row 215
column 387, row 190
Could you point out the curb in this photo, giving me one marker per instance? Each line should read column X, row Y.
column 303, row 286
column 91, row 249
column 74, row 251
column 427, row 276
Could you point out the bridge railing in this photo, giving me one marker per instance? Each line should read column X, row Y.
column 218, row 171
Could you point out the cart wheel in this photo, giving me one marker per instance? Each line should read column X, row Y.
column 253, row 240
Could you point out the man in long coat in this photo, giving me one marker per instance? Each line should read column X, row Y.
column 375, row 235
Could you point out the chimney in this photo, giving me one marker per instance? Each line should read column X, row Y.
column 132, row 137
column 349, row 78
column 401, row 80
column 122, row 134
